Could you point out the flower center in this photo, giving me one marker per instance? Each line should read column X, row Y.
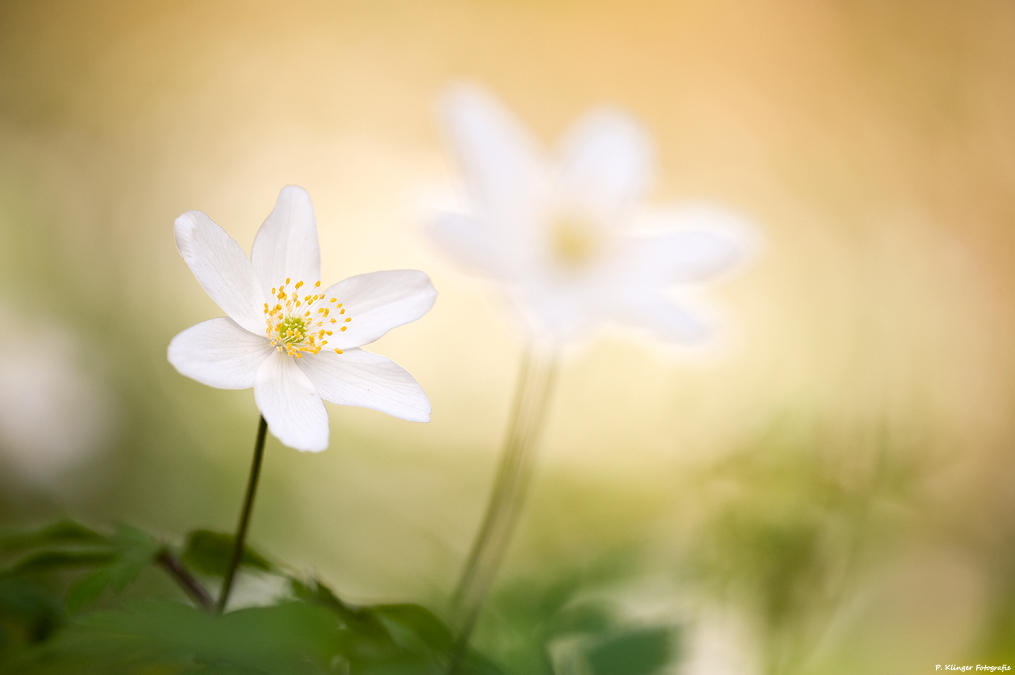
column 300, row 322
column 574, row 241
column 292, row 330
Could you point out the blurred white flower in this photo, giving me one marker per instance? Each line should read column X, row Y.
column 293, row 342
column 54, row 413
column 566, row 233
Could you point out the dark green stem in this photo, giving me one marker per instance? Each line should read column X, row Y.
column 514, row 473
column 248, row 504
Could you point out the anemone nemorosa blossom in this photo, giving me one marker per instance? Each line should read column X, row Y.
column 290, row 339
column 566, row 232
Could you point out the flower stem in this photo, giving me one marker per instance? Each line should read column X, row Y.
column 191, row 586
column 536, row 380
column 248, row 504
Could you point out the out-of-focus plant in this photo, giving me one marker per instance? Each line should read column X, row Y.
column 788, row 528
column 571, row 620
column 570, row 239
column 47, row 374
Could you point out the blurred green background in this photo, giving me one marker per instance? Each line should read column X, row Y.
column 828, row 490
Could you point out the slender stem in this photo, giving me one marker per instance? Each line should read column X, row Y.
column 514, row 473
column 501, row 486
column 198, row 593
column 248, row 504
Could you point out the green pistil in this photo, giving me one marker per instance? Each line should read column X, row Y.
column 292, row 330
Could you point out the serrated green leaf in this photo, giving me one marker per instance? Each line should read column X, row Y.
column 211, row 552
column 133, row 551
column 638, row 651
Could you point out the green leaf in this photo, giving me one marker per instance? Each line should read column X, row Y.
column 60, row 532
column 87, row 589
column 133, row 551
column 358, row 618
column 414, row 628
column 407, row 664
column 28, row 615
column 49, row 561
column 211, row 552
column 586, row 618
column 65, row 544
column 293, row 638
column 397, row 638
column 128, row 550
column 424, row 642
column 639, row 651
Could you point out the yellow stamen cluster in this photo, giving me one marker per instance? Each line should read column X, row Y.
column 574, row 241
column 301, row 322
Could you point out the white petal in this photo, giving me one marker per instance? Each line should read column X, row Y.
column 286, row 245
column 289, row 402
column 501, row 162
column 465, row 240
column 688, row 244
column 658, row 313
column 606, row 162
column 368, row 380
column 377, row 302
column 219, row 353
column 222, row 268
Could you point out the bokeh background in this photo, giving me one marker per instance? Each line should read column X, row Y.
column 829, row 490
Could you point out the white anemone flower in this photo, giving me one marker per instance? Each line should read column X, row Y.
column 568, row 232
column 293, row 341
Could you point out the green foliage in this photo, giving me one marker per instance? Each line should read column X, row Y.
column 383, row 639
column 210, row 552
column 170, row 637
column 132, row 551
column 64, row 609
column 529, row 619
column 49, row 622
column 289, row 637
column 35, row 567
column 58, row 533
column 64, row 544
column 789, row 523
column 28, row 615
column 639, row 651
